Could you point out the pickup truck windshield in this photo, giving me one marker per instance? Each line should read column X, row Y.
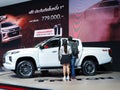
column 48, row 40
column 41, row 43
column 6, row 24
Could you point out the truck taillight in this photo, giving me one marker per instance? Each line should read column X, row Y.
column 110, row 52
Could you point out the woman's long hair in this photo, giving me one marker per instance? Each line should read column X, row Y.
column 65, row 45
column 65, row 48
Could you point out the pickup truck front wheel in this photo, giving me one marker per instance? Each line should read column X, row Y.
column 89, row 68
column 25, row 69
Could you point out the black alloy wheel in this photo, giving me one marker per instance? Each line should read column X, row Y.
column 89, row 68
column 25, row 69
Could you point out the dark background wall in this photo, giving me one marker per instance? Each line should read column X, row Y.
column 96, row 27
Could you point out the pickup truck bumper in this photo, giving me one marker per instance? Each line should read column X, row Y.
column 11, row 38
column 9, row 66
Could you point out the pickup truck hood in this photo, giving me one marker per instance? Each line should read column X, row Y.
column 23, row 50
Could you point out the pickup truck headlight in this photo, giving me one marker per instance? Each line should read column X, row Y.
column 8, row 53
column 14, row 52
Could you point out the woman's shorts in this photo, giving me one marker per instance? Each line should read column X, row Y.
column 65, row 59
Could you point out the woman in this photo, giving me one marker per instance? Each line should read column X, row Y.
column 65, row 52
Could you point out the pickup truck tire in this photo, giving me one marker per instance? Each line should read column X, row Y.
column 25, row 69
column 89, row 68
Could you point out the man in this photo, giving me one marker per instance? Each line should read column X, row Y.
column 73, row 57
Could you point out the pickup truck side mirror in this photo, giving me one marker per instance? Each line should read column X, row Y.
column 41, row 47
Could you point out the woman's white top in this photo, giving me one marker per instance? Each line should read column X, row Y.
column 69, row 51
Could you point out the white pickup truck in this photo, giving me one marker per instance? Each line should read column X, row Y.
column 44, row 56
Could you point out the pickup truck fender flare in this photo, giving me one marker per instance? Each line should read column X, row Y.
column 92, row 58
column 26, row 58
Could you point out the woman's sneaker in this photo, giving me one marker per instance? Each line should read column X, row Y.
column 68, row 78
column 64, row 78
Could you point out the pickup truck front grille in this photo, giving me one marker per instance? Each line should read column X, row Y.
column 11, row 34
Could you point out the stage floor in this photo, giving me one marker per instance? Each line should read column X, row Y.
column 53, row 80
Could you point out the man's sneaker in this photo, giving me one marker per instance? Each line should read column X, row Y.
column 73, row 77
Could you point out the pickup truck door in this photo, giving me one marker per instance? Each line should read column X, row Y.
column 80, row 52
column 48, row 56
